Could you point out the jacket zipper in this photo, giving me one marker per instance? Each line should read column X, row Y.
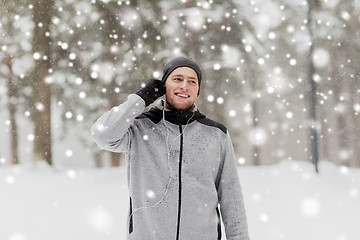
column 131, row 227
column 180, row 183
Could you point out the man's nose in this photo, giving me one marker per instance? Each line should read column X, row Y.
column 184, row 84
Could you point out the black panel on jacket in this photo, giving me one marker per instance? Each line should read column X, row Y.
column 212, row 123
column 180, row 117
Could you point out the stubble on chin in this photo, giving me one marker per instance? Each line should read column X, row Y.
column 170, row 107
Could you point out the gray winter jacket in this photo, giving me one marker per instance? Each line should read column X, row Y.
column 180, row 170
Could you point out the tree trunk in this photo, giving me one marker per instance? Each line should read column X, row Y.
column 256, row 149
column 13, row 101
column 343, row 135
column 98, row 156
column 356, row 117
column 117, row 159
column 324, row 149
column 339, row 87
column 311, row 91
column 42, row 11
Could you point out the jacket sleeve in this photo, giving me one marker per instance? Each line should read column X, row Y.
column 112, row 131
column 231, row 201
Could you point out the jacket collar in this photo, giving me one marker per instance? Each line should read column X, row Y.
column 179, row 117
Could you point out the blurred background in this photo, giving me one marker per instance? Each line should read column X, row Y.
column 283, row 76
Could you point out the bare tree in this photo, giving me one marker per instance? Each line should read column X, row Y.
column 42, row 11
column 311, row 91
column 12, row 103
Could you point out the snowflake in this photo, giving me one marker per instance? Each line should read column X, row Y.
column 310, row 207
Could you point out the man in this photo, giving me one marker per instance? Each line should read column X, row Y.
column 182, row 173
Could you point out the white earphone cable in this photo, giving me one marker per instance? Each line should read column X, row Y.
column 168, row 162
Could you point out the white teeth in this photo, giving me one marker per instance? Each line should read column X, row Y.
column 183, row 95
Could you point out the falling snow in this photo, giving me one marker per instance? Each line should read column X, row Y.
column 255, row 60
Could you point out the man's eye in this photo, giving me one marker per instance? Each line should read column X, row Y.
column 192, row 82
column 177, row 79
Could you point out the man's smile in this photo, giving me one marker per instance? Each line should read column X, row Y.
column 182, row 95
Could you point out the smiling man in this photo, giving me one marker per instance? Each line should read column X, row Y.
column 182, row 174
column 182, row 87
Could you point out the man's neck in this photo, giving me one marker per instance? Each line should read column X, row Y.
column 170, row 107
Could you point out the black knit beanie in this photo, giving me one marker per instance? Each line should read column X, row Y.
column 181, row 62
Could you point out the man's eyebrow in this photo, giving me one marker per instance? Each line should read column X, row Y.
column 180, row 75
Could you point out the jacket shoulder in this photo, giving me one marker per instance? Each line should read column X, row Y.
column 209, row 122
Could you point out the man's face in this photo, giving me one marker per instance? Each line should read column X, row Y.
column 182, row 87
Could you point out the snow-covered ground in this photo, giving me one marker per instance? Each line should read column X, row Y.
column 284, row 201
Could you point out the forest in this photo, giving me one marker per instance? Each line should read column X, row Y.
column 283, row 76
